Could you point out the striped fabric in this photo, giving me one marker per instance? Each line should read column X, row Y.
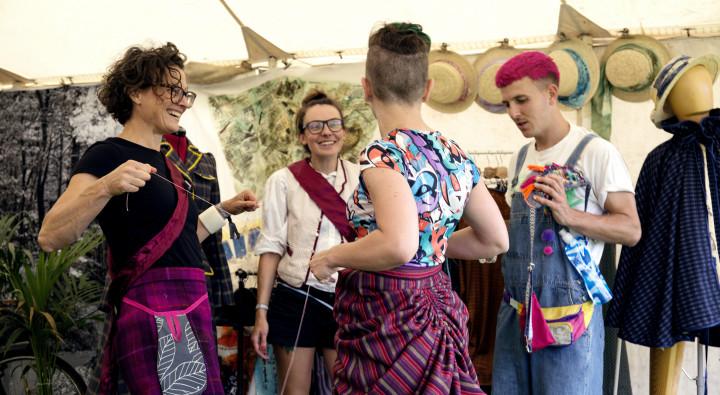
column 401, row 336
column 136, row 344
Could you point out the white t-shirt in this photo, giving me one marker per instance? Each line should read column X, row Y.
column 600, row 163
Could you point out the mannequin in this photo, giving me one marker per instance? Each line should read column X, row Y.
column 690, row 100
column 692, row 96
column 675, row 192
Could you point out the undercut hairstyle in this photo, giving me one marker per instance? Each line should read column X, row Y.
column 138, row 69
column 314, row 98
column 532, row 64
column 397, row 62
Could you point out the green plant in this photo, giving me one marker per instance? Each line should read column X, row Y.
column 47, row 300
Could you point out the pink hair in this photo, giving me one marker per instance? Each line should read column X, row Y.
column 533, row 64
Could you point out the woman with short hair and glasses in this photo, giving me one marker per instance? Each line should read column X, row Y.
column 401, row 328
column 303, row 212
column 158, row 331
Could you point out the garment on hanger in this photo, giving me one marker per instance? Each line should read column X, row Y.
column 667, row 288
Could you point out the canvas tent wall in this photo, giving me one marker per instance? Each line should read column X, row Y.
column 45, row 39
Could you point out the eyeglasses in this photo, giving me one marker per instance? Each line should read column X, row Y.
column 315, row 127
column 177, row 93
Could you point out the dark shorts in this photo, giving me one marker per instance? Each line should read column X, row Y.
column 286, row 307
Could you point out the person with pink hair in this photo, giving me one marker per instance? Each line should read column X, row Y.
column 570, row 193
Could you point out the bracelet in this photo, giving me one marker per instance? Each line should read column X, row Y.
column 225, row 214
column 212, row 219
column 262, row 306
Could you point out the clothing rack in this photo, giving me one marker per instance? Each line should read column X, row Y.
column 498, row 152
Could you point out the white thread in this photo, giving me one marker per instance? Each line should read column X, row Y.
column 297, row 338
column 188, row 191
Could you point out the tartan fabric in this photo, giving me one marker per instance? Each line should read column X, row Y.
column 667, row 285
column 200, row 169
column 399, row 335
column 135, row 344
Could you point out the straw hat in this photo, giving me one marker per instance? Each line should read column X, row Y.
column 486, row 66
column 669, row 76
column 455, row 85
column 579, row 72
column 631, row 64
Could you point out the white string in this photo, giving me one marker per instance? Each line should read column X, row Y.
column 219, row 206
column 302, row 318
column 297, row 339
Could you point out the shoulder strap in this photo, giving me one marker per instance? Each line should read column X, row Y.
column 324, row 195
column 579, row 149
column 575, row 155
column 519, row 162
column 155, row 248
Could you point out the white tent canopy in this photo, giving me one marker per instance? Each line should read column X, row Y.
column 42, row 39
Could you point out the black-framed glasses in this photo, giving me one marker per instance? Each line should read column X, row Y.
column 177, row 93
column 315, row 127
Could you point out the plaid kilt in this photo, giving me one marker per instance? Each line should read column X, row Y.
column 401, row 335
column 135, row 342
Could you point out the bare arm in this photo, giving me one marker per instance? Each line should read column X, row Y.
column 619, row 225
column 84, row 198
column 392, row 244
column 267, row 271
column 486, row 235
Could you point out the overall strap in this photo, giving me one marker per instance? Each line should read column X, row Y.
column 575, row 155
column 579, row 149
column 518, row 164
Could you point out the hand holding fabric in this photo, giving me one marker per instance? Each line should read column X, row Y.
column 553, row 186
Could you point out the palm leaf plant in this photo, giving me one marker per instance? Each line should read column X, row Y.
column 46, row 297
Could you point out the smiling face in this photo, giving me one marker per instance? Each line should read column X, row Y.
column 326, row 144
column 530, row 105
column 155, row 107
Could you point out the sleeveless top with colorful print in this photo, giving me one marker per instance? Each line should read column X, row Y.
column 440, row 176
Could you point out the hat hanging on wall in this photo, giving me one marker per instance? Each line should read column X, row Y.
column 579, row 72
column 454, row 82
column 631, row 63
column 486, row 66
column 669, row 76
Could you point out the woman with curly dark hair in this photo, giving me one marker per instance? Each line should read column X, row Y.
column 401, row 328
column 158, row 333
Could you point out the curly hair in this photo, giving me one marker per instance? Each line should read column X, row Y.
column 314, row 98
column 397, row 62
column 138, row 69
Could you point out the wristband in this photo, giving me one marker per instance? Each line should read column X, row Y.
column 225, row 214
column 212, row 219
column 262, row 306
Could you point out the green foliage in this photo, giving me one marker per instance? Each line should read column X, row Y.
column 46, row 299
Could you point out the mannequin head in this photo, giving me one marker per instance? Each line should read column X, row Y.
column 692, row 97
column 683, row 88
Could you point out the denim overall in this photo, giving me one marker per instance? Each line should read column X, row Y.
column 576, row 369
